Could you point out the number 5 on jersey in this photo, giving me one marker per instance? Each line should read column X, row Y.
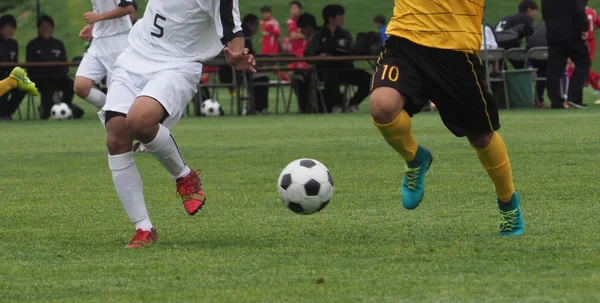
column 161, row 30
column 390, row 72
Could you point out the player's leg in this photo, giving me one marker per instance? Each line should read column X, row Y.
column 126, row 177
column 390, row 113
column 593, row 77
column 557, row 60
column 90, row 71
column 578, row 52
column 160, row 106
column 17, row 79
column 468, row 108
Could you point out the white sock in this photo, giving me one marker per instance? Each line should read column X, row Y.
column 96, row 97
column 130, row 189
column 164, row 148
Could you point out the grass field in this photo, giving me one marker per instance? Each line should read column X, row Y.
column 62, row 227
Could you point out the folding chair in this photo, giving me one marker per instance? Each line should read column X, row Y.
column 494, row 55
column 279, row 84
column 515, row 54
column 541, row 54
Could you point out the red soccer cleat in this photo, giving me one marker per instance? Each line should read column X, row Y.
column 190, row 190
column 143, row 238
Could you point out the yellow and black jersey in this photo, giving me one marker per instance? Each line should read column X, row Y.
column 444, row 24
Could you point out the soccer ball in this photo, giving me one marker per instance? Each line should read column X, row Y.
column 305, row 186
column 211, row 108
column 61, row 111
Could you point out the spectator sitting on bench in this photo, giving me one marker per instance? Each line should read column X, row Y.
column 9, row 52
column 511, row 29
column 307, row 24
column 333, row 40
column 50, row 79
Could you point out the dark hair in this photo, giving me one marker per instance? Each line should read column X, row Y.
column 296, row 3
column 45, row 18
column 265, row 9
column 249, row 19
column 246, row 22
column 525, row 5
column 306, row 20
column 379, row 19
column 332, row 11
column 135, row 7
column 8, row 20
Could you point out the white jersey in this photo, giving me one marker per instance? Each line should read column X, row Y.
column 185, row 30
column 112, row 27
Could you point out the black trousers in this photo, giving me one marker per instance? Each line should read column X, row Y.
column 10, row 101
column 558, row 52
column 333, row 80
column 260, row 93
column 540, row 86
column 47, row 88
column 306, row 89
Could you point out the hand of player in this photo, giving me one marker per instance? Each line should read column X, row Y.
column 584, row 35
column 86, row 33
column 90, row 18
column 240, row 60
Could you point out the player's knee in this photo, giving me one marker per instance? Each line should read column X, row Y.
column 118, row 144
column 118, row 138
column 481, row 141
column 141, row 127
column 82, row 88
column 386, row 103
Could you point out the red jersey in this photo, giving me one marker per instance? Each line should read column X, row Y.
column 298, row 45
column 594, row 22
column 270, row 40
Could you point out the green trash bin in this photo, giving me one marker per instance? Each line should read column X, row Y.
column 519, row 84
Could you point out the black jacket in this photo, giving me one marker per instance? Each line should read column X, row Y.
column 338, row 43
column 52, row 50
column 512, row 29
column 9, row 52
column 565, row 19
column 538, row 38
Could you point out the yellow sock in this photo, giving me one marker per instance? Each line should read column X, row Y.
column 398, row 135
column 7, row 85
column 495, row 160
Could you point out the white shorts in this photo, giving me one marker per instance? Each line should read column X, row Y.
column 172, row 84
column 98, row 62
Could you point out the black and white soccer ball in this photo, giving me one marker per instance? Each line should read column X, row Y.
column 61, row 111
column 305, row 186
column 211, row 108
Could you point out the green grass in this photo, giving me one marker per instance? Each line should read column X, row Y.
column 62, row 227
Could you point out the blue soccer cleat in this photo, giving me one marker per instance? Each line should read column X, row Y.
column 511, row 220
column 413, row 186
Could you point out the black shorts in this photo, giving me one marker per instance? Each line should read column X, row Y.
column 453, row 80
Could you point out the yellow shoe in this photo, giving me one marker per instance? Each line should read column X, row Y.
column 25, row 84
